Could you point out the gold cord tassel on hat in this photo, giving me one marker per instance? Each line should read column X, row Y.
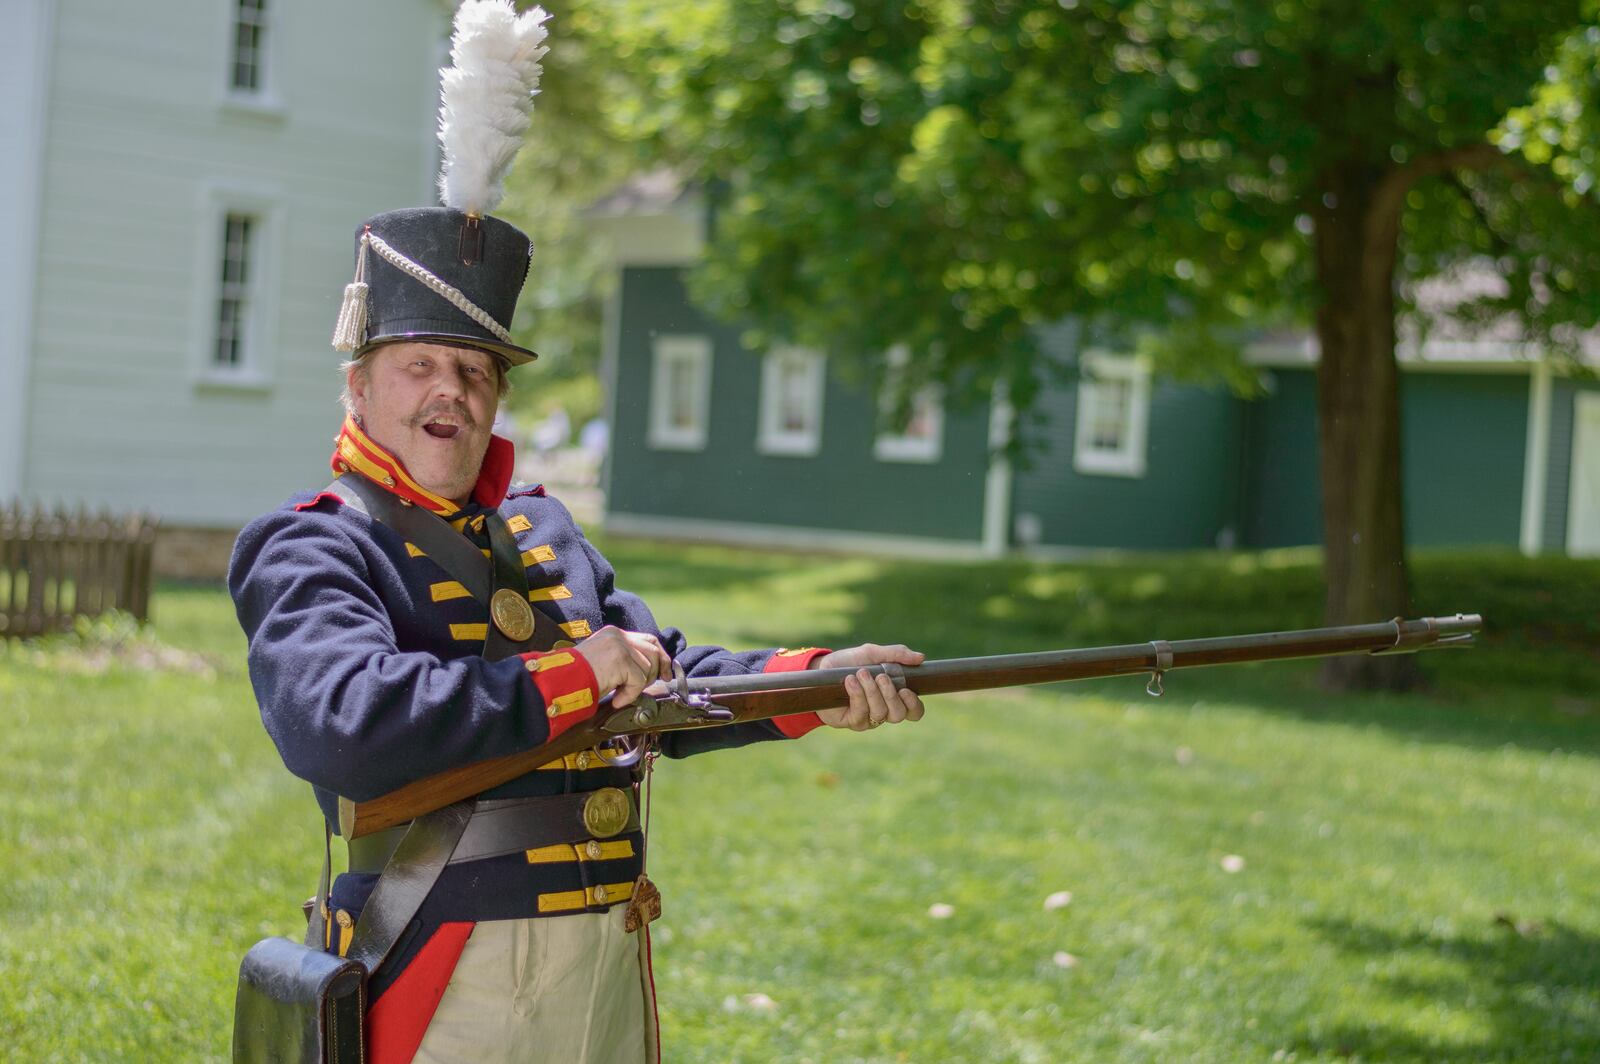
column 351, row 330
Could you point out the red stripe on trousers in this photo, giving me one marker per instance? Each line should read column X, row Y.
column 399, row 1018
column 650, row 974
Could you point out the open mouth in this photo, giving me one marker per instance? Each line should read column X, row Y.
column 440, row 431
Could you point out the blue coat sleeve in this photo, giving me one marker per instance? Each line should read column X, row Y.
column 348, row 709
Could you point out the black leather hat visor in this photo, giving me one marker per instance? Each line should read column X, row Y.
column 513, row 355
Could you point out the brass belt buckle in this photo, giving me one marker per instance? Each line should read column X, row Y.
column 606, row 812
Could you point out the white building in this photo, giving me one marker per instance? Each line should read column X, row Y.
column 179, row 190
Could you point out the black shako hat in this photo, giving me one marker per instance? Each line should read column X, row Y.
column 452, row 274
column 471, row 272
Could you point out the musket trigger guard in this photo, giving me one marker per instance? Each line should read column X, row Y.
column 624, row 751
column 1163, row 651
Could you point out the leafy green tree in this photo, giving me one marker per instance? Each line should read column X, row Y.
column 952, row 174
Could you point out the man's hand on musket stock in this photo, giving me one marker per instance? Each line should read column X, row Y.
column 625, row 663
column 873, row 699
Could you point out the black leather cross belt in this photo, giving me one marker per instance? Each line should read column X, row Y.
column 510, row 825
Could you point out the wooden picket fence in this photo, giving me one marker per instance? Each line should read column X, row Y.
column 58, row 565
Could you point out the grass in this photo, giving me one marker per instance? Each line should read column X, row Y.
column 1417, row 883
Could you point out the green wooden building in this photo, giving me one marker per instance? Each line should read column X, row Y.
column 713, row 441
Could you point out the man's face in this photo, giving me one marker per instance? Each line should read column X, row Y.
column 431, row 406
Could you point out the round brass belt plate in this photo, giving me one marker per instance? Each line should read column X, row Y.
column 607, row 812
column 511, row 614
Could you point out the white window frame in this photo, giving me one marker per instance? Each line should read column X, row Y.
column 667, row 350
column 264, row 97
column 771, row 435
column 899, row 446
column 1127, row 459
column 263, row 280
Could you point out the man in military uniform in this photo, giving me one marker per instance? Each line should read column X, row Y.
column 367, row 656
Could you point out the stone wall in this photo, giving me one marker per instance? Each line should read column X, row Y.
column 193, row 553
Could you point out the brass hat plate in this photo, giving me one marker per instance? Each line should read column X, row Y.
column 512, row 615
column 607, row 812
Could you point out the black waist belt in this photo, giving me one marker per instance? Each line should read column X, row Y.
column 510, row 825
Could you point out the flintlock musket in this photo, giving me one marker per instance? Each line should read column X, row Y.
column 621, row 735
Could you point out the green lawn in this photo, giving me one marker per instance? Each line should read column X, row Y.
column 1419, row 880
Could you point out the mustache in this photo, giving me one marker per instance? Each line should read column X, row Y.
column 437, row 409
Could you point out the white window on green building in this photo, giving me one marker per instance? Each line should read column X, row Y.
column 921, row 437
column 247, row 52
column 1113, row 415
column 791, row 402
column 680, row 393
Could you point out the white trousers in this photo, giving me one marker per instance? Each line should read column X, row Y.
column 567, row 989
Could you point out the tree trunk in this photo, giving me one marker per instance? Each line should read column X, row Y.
column 1358, row 416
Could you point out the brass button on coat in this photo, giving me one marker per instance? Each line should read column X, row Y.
column 600, row 893
column 592, row 848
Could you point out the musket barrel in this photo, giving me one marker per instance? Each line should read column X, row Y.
column 1002, row 670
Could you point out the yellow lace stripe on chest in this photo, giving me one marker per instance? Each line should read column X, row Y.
column 446, row 590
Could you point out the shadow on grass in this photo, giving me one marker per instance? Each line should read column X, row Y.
column 1478, row 719
column 1535, row 986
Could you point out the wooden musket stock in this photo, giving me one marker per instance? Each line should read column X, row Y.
column 766, row 695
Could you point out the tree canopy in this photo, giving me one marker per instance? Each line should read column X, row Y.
column 952, row 174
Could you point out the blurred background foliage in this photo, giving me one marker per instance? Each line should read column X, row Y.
column 987, row 167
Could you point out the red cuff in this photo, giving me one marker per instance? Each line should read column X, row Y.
column 566, row 684
column 796, row 724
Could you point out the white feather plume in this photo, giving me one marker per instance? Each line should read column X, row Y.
column 488, row 92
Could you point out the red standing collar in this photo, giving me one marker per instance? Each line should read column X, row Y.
column 355, row 451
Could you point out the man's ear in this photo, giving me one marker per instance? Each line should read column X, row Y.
column 357, row 379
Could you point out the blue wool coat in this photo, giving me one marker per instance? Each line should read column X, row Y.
column 365, row 655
